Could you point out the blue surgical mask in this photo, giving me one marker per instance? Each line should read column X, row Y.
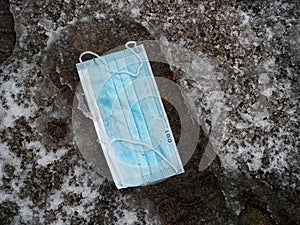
column 129, row 117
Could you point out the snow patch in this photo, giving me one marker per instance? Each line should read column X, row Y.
column 44, row 157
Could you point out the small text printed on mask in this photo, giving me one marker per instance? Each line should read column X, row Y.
column 168, row 136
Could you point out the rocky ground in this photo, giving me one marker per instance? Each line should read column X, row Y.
column 252, row 46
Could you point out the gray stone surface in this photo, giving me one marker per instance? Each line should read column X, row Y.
column 253, row 47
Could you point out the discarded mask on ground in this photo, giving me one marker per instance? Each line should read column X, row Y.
column 129, row 117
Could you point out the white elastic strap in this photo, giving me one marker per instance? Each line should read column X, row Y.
column 115, row 71
column 147, row 146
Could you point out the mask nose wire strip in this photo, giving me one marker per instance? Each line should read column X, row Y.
column 115, row 71
column 147, row 146
column 134, row 75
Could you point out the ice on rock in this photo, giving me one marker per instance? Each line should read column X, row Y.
column 53, row 35
column 55, row 200
column 267, row 92
column 245, row 19
column 7, row 157
column 15, row 105
column 263, row 79
column 99, row 15
column 46, row 24
column 242, row 125
column 128, row 217
column 135, row 12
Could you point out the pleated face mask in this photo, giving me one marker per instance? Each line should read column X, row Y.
column 129, row 117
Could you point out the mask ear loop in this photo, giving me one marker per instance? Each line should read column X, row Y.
column 115, row 71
